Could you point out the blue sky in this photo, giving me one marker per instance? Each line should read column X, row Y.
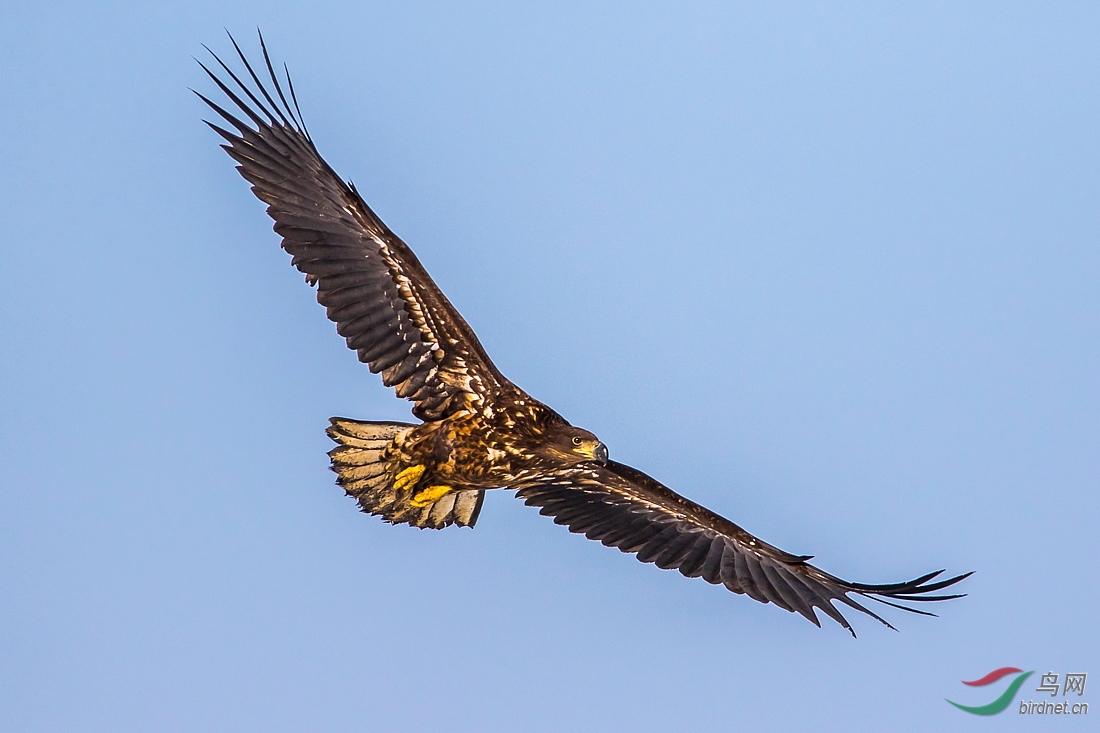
column 832, row 270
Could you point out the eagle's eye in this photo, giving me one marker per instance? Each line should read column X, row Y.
column 577, row 440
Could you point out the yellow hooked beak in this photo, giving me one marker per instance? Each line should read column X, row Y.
column 593, row 450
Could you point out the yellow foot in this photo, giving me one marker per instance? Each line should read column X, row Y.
column 429, row 495
column 407, row 479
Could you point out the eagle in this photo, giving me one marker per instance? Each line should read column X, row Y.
column 478, row 431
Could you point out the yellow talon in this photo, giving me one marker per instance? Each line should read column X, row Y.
column 408, row 477
column 429, row 495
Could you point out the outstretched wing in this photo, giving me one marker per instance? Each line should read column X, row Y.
column 375, row 290
column 624, row 508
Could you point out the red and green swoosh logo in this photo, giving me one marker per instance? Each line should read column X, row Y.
column 1006, row 697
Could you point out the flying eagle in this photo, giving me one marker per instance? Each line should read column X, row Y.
column 478, row 430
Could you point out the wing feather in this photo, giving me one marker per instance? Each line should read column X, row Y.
column 373, row 287
column 691, row 565
column 624, row 508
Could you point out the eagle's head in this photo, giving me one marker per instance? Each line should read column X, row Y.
column 573, row 445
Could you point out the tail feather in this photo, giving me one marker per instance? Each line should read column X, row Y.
column 361, row 461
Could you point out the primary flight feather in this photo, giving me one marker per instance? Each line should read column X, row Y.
column 478, row 431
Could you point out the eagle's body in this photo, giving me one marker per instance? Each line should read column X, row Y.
column 477, row 449
column 479, row 431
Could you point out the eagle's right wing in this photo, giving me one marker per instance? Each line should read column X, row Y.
column 622, row 507
column 372, row 285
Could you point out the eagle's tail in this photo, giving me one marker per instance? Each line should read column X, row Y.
column 363, row 469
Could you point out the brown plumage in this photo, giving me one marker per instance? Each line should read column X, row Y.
column 479, row 431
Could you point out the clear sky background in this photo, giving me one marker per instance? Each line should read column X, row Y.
column 832, row 270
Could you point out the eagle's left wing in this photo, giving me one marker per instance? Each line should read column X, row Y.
column 373, row 287
column 624, row 508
